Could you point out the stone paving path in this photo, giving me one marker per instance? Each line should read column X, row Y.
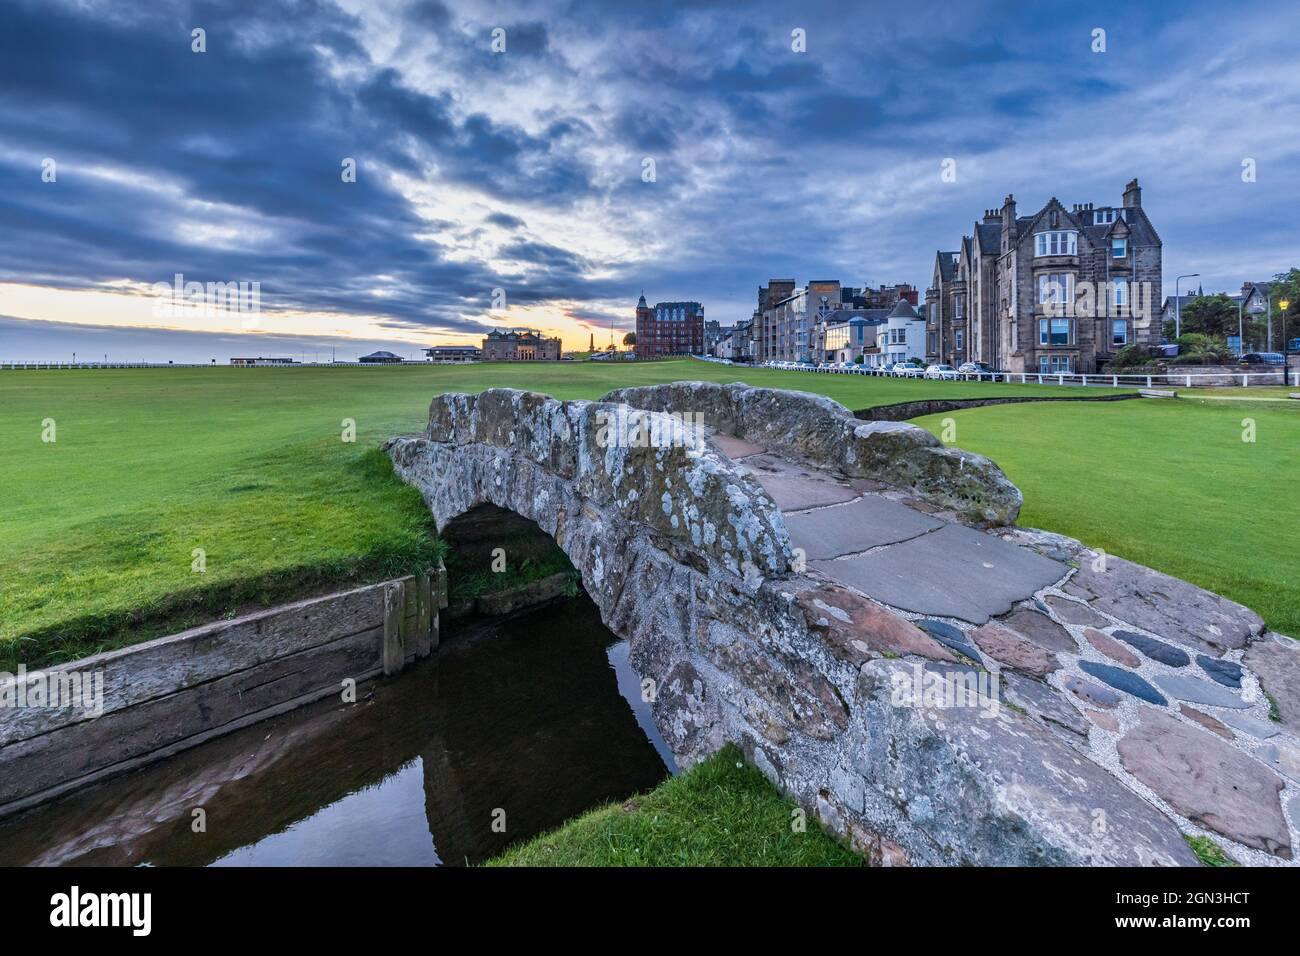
column 1180, row 694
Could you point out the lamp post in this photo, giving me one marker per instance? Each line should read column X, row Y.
column 1241, row 338
column 1286, row 355
column 1178, row 304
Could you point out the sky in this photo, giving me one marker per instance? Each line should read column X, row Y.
column 543, row 164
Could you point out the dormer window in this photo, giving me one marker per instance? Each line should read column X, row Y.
column 1103, row 217
column 1119, row 248
column 1060, row 243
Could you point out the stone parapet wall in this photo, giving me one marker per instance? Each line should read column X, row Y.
column 822, row 432
column 597, row 454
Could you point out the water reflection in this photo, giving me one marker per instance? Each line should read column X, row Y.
column 538, row 716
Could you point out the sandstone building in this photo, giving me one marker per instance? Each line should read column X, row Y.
column 520, row 345
column 1058, row 291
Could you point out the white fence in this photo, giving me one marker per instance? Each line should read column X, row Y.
column 1227, row 378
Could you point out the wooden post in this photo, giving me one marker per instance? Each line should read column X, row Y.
column 394, row 653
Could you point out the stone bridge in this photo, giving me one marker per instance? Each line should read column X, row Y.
column 852, row 603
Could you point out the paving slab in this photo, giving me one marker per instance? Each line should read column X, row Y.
column 1208, row 781
column 1123, row 679
column 1197, row 691
column 953, row 572
column 856, row 526
column 736, row 448
column 1260, row 729
column 794, row 487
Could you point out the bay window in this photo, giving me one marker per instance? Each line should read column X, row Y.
column 1060, row 243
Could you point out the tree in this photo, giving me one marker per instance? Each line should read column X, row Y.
column 629, row 339
column 1212, row 315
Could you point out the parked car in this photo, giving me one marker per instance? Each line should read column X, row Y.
column 908, row 370
column 1261, row 358
column 941, row 372
column 976, row 368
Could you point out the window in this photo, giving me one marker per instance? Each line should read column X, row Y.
column 1056, row 244
column 1056, row 287
column 1119, row 248
column 1118, row 332
column 1119, row 297
column 957, row 338
column 1103, row 217
column 1053, row 331
column 1054, row 364
column 959, row 306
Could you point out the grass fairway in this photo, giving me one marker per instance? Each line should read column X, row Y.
column 100, row 526
column 721, row 812
column 1169, row 484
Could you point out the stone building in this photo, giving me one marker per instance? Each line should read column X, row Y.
column 1058, row 291
column 520, row 345
column 811, row 324
column 670, row 328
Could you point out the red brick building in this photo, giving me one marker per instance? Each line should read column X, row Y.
column 670, row 328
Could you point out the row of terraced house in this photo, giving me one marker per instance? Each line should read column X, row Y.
column 1059, row 290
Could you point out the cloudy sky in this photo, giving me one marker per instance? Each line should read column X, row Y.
column 525, row 170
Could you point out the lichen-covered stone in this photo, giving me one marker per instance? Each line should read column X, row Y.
column 820, row 431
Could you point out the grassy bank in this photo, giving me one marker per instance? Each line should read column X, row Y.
column 721, row 812
column 1170, row 484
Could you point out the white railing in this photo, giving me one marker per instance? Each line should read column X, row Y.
column 1226, row 378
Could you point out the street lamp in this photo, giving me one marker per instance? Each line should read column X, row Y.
column 1178, row 304
column 1286, row 361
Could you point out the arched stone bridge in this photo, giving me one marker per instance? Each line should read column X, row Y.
column 851, row 602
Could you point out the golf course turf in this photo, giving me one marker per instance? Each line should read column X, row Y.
column 173, row 496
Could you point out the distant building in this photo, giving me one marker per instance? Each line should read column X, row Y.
column 670, row 328
column 454, row 353
column 520, row 345
column 852, row 333
column 380, row 358
column 250, row 362
column 903, row 335
column 812, row 324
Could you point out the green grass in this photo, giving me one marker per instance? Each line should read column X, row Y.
column 1209, row 852
column 1168, row 484
column 248, row 464
column 722, row 812
column 99, row 528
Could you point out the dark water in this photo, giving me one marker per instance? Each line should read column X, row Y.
column 538, row 716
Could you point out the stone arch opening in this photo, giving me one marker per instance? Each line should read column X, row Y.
column 499, row 561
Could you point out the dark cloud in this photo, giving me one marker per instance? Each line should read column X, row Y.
column 226, row 165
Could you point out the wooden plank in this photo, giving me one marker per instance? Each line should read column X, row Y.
column 442, row 585
column 394, row 654
column 417, row 639
column 69, row 754
column 163, row 666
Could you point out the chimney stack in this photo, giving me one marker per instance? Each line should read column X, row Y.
column 1133, row 195
column 1009, row 232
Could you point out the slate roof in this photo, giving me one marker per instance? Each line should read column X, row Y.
column 947, row 265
